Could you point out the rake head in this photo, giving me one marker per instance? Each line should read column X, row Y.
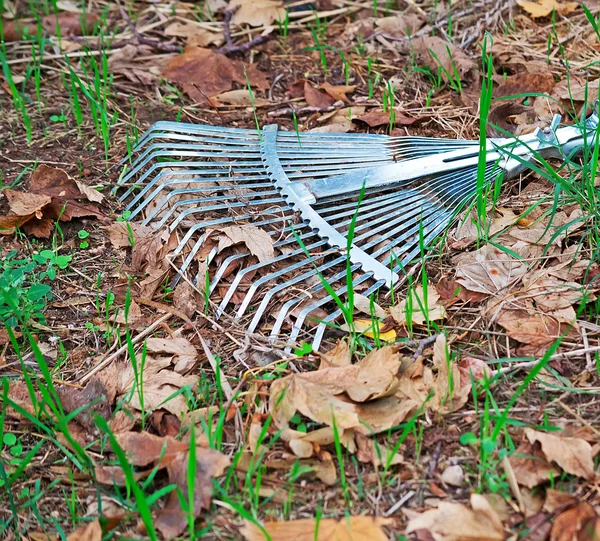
column 312, row 193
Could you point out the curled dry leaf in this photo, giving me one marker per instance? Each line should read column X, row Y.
column 543, row 8
column 573, row 455
column 194, row 33
column 443, row 56
column 160, row 385
column 525, row 83
column 456, row 522
column 488, row 270
column 316, row 98
column 580, row 522
column 400, row 26
column 339, row 355
column 377, row 375
column 203, row 73
column 420, row 306
column 166, row 452
column 367, row 306
column 531, row 467
column 257, row 12
column 359, row 528
column 338, row 92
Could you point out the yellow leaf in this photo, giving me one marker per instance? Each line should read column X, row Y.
column 367, row 328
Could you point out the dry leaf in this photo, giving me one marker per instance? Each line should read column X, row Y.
column 160, row 385
column 359, row 528
column 456, row 522
column 420, row 306
column 257, row 240
column 144, row 449
column 543, row 8
column 338, row 92
column 442, row 55
column 71, row 24
column 579, row 523
column 91, row 531
column 531, row 467
column 534, row 329
column 339, row 355
column 257, row 12
column 366, row 306
column 400, row 26
column 185, row 353
column 525, row 83
column 573, row 455
column 488, row 270
column 367, row 327
column 204, row 73
column 315, row 98
column 195, row 34
column 377, row 376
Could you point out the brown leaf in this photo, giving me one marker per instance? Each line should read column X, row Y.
column 420, row 306
column 146, row 243
column 172, row 520
column 578, row 523
column 41, row 229
column 144, row 448
column 456, row 522
column 257, row 12
column 186, row 354
column 70, row 24
column 400, row 26
column 573, row 455
column 451, row 292
column 315, row 98
column 26, row 204
column 195, row 34
column 499, row 119
column 476, row 368
column 94, row 396
column 160, row 385
column 92, row 531
column 377, row 375
column 525, row 83
column 338, row 92
column 439, row 53
column 488, row 270
column 339, row 355
column 543, row 8
column 186, row 299
column 203, row 73
column 534, row 329
column 531, row 467
column 358, row 528
column 257, row 240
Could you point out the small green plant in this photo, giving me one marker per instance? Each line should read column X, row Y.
column 52, row 261
column 20, row 281
column 83, row 236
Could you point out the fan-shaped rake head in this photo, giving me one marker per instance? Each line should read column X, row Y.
column 200, row 181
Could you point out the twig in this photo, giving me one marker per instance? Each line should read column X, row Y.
column 304, row 111
column 142, row 40
column 229, row 47
column 422, row 344
column 123, row 349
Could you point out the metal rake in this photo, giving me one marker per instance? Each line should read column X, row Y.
column 304, row 190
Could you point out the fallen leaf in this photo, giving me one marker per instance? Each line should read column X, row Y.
column 26, row 204
column 204, row 73
column 420, row 306
column 476, row 368
column 401, row 25
column 257, row 12
column 451, row 292
column 531, row 467
column 578, row 523
column 92, row 531
column 195, row 34
column 184, row 351
column 358, row 528
column 488, row 270
column 386, row 118
column 257, row 240
column 573, row 455
column 338, row 92
column 525, row 83
column 339, row 355
column 543, row 8
column 315, row 98
column 70, row 24
column 534, row 329
column 239, row 97
column 368, row 306
column 367, row 327
column 443, row 56
column 160, row 385
column 377, row 375
column 144, row 448
column 456, row 522
column 93, row 398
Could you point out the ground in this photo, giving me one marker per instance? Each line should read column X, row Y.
column 464, row 405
